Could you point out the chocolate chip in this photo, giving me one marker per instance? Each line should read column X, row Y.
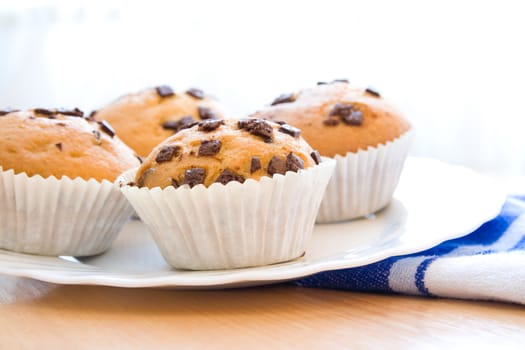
column 255, row 165
column 280, row 122
column 316, row 157
column 331, row 122
column 257, row 127
column 210, row 125
column 355, row 118
column 167, row 153
column 131, row 183
column 171, row 125
column 209, row 147
column 290, row 130
column 294, row 163
column 164, row 91
column 91, row 116
column 276, row 166
column 197, row 93
column 44, row 111
column 207, row 113
column 72, row 112
column 7, row 111
column 107, row 128
column 177, row 125
column 228, row 176
column 194, row 176
column 334, row 81
column 349, row 115
column 245, row 123
column 97, row 135
column 341, row 110
column 284, row 98
column 139, row 158
column 373, row 92
column 264, row 130
column 59, row 146
column 174, row 183
column 142, row 178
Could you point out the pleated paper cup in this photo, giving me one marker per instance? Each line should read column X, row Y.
column 234, row 225
column 50, row 216
column 364, row 182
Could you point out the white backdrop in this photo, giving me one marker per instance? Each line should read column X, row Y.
column 455, row 68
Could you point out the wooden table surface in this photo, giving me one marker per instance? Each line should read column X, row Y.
column 38, row 315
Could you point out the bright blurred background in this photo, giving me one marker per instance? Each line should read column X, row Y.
column 456, row 68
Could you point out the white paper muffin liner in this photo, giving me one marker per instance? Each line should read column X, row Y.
column 364, row 182
column 234, row 225
column 50, row 216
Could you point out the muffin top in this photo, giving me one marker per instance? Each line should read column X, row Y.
column 336, row 118
column 226, row 150
column 145, row 118
column 61, row 143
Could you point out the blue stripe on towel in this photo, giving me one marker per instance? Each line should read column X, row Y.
column 420, row 276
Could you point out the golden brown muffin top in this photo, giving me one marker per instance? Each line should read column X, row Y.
column 336, row 118
column 146, row 118
column 224, row 151
column 61, row 143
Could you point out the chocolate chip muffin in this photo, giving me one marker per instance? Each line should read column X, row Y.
column 337, row 118
column 145, row 118
column 62, row 142
column 57, row 195
column 365, row 134
column 226, row 150
column 229, row 194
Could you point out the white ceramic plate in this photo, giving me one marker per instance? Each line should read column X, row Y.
column 434, row 202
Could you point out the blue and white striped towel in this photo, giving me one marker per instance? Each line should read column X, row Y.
column 488, row 264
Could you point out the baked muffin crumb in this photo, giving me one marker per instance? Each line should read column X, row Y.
column 337, row 118
column 223, row 151
column 61, row 142
column 145, row 118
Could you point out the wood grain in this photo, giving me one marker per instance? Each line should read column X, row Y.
column 39, row 315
